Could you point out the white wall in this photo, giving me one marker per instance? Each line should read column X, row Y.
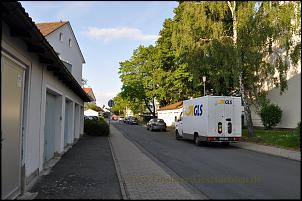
column 289, row 102
column 81, row 120
column 77, row 121
column 169, row 116
column 39, row 81
column 91, row 113
column 70, row 54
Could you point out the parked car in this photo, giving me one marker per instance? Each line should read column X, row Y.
column 126, row 120
column 114, row 117
column 156, row 124
column 133, row 120
column 121, row 119
column 91, row 118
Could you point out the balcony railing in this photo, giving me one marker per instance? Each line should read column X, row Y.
column 68, row 65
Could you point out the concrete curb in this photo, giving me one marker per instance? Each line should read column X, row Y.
column 276, row 151
column 142, row 177
column 198, row 195
column 119, row 175
column 294, row 155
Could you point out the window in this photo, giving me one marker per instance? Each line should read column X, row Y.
column 61, row 37
column 69, row 42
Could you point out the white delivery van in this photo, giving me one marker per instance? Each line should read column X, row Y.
column 210, row 119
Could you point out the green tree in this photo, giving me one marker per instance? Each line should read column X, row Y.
column 94, row 107
column 174, row 80
column 120, row 105
column 237, row 46
column 138, row 83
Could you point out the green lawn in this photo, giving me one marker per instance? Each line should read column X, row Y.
column 279, row 138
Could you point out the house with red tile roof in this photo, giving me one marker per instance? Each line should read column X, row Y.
column 89, row 91
column 170, row 113
column 62, row 38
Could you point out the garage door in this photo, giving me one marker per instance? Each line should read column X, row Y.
column 49, row 129
column 12, row 76
column 67, row 122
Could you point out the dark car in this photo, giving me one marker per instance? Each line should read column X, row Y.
column 132, row 120
column 91, row 118
column 156, row 124
column 126, row 120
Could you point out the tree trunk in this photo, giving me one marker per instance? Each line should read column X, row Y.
column 148, row 107
column 153, row 103
column 247, row 111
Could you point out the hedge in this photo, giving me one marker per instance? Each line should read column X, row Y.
column 96, row 127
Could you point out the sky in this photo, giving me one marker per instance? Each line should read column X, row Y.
column 107, row 33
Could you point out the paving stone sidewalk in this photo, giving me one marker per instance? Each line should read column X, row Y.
column 140, row 177
column 86, row 171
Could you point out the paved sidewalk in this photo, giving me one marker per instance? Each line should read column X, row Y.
column 86, row 171
column 276, row 151
column 140, row 177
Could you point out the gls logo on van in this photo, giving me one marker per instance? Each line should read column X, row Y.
column 194, row 110
column 223, row 102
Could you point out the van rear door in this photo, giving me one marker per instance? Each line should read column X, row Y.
column 216, row 119
column 228, row 116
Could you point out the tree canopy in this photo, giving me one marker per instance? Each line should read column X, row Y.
column 239, row 46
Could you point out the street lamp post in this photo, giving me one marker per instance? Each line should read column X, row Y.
column 204, row 84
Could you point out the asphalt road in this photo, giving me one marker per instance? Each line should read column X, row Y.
column 216, row 171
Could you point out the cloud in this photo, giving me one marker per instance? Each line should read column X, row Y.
column 109, row 34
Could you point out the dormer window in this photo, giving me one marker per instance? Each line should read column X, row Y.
column 69, row 43
column 61, row 37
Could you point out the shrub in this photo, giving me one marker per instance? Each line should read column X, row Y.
column 270, row 115
column 96, row 127
column 298, row 128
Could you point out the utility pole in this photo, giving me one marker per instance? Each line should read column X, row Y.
column 204, row 84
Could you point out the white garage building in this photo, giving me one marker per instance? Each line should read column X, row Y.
column 170, row 113
column 41, row 102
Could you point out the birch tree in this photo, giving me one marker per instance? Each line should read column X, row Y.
column 237, row 45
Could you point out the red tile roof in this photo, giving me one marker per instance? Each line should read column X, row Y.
column 172, row 106
column 48, row 27
column 87, row 90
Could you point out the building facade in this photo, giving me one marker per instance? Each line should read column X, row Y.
column 42, row 103
column 61, row 37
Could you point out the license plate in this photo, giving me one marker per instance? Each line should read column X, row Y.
column 224, row 138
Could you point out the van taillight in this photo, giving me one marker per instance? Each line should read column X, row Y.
column 219, row 127
column 229, row 127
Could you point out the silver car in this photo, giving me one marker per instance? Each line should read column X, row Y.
column 156, row 124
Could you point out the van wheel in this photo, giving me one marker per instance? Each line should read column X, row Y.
column 177, row 135
column 196, row 140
